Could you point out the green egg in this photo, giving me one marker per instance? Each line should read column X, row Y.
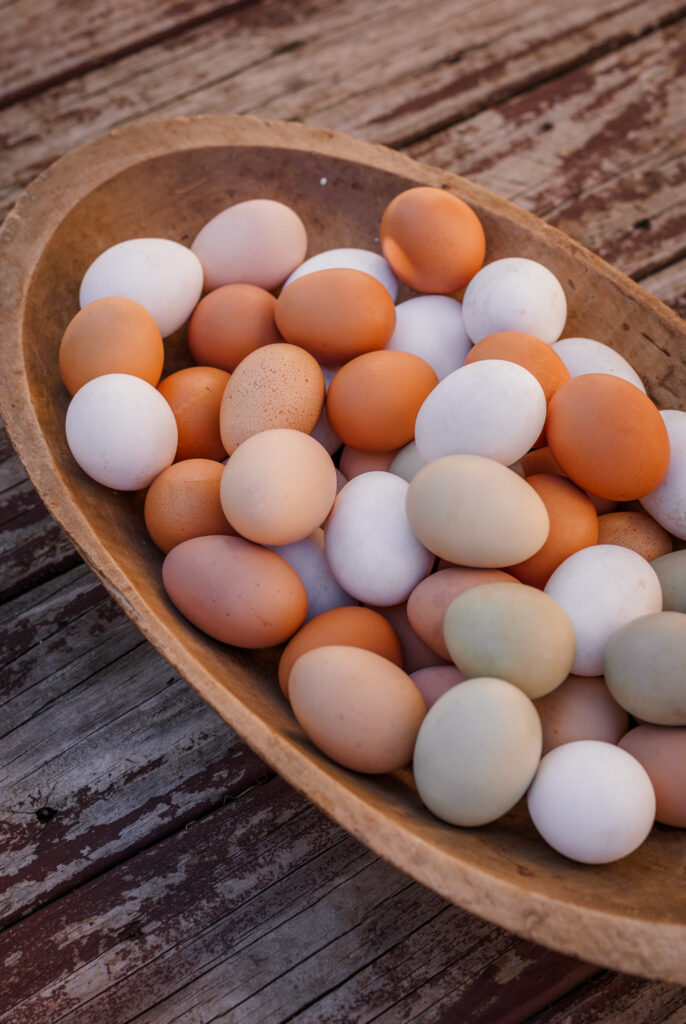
column 671, row 572
column 645, row 668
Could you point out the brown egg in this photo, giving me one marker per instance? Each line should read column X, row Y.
column 110, row 335
column 416, row 654
column 429, row 601
column 336, row 314
column 373, row 400
column 433, row 241
column 573, row 525
column 541, row 460
column 275, row 386
column 183, row 502
column 434, row 681
column 353, row 462
column 235, row 591
column 527, row 351
column 350, row 626
column 661, row 750
column 359, row 708
column 195, row 396
column 581, row 708
column 635, row 530
column 231, row 322
column 607, row 436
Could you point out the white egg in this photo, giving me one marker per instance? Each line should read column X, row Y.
column 667, row 503
column 162, row 275
column 491, row 408
column 352, row 259
column 121, row 431
column 592, row 801
column 585, row 355
column 514, row 294
column 407, row 462
column 308, row 559
column 602, row 588
column 369, row 542
column 431, row 327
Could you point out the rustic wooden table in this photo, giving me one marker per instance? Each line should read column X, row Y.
column 153, row 868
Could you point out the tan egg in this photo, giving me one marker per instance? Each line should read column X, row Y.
column 336, row 314
column 429, row 601
column 277, row 386
column 373, row 400
column 662, row 752
column 348, row 627
column 360, row 709
column 635, row 530
column 111, row 335
column 235, row 591
column 183, row 502
column 581, row 708
column 231, row 322
column 195, row 396
column 353, row 461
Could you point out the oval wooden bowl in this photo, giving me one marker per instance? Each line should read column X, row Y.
column 166, row 178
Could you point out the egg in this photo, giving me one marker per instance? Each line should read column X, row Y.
column 581, row 708
column 644, row 668
column 592, row 801
column 350, row 626
column 278, row 486
column 183, row 502
column 608, row 437
column 373, row 400
column 634, row 530
column 477, row 751
column 194, row 396
column 515, row 294
column 431, row 327
column 671, row 572
column 352, row 461
column 359, row 708
column 235, row 591
column 259, row 241
column 416, row 654
column 121, row 431
column 276, row 386
column 308, row 558
column 110, row 335
column 662, row 752
column 336, row 314
column 432, row 239
column 407, row 462
column 667, row 502
column 586, row 355
column 163, row 276
column 435, row 680
column 229, row 323
column 351, row 259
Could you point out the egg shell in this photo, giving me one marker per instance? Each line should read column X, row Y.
column 359, row 708
column 608, row 437
column 573, row 526
column 278, row 486
column 235, row 591
column 350, row 626
column 645, row 668
column 325, row 434
column 491, row 408
column 581, row 708
column 110, row 335
column 373, row 400
column 526, row 350
column 586, row 355
column 671, row 572
column 163, row 276
column 634, row 530
column 229, row 323
column 434, row 681
column 194, row 396
column 592, row 801
column 351, row 259
column 602, row 588
column 662, row 752
column 515, row 294
column 432, row 239
column 476, row 512
column 259, row 241
column 477, row 751
column 336, row 314
column 540, row 460
column 416, row 654
column 371, row 548
column 276, row 386
column 353, row 461
column 431, row 327
column 512, row 632
column 430, row 599
column 667, row 502
column 308, row 558
column 121, row 431
column 183, row 502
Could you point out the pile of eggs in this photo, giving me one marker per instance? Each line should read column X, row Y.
column 466, row 529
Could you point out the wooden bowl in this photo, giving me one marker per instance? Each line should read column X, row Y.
column 166, row 178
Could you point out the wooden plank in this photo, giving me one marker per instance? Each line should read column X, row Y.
column 669, row 285
column 617, row 997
